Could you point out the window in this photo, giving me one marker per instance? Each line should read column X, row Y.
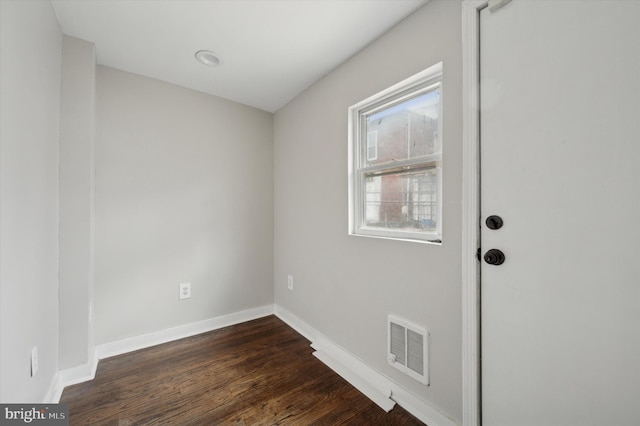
column 395, row 161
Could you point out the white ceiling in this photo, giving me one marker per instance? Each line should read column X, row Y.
column 271, row 50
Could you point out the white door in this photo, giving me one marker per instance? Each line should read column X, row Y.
column 560, row 164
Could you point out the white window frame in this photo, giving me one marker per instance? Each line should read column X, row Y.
column 422, row 82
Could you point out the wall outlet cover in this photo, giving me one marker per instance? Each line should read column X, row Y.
column 185, row 291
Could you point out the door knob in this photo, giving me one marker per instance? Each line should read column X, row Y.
column 494, row 222
column 494, row 257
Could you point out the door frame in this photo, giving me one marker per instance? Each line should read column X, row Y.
column 471, row 332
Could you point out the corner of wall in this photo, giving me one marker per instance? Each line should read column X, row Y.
column 76, row 205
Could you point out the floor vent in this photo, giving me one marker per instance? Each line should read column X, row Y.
column 407, row 348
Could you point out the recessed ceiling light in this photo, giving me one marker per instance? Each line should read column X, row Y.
column 207, row 57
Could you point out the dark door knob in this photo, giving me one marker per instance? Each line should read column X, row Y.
column 494, row 222
column 494, row 257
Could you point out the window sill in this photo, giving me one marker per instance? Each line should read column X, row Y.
column 430, row 240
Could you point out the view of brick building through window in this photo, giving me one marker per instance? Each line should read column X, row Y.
column 404, row 199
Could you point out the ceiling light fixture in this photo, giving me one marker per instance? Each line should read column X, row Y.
column 208, row 58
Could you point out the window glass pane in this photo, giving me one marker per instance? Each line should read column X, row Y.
column 405, row 201
column 372, row 146
column 405, row 130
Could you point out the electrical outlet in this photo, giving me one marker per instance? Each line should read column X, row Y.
column 34, row 361
column 290, row 282
column 185, row 291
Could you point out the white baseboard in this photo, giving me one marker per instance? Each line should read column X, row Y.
column 131, row 344
column 419, row 407
column 55, row 391
column 296, row 323
column 376, row 386
column 368, row 381
column 86, row 372
column 81, row 373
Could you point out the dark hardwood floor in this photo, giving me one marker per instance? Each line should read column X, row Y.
column 257, row 373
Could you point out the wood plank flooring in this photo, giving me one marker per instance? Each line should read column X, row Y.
column 257, row 373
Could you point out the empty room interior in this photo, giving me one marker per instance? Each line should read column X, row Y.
column 328, row 212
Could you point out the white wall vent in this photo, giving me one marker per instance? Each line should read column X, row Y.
column 408, row 348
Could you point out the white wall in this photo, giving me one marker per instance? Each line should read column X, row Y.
column 184, row 193
column 345, row 286
column 77, row 129
column 30, row 46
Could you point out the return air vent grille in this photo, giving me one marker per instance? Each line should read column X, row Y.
column 415, row 357
column 408, row 348
column 398, row 343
